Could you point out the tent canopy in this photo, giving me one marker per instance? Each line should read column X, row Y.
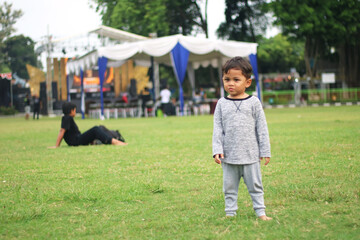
column 203, row 52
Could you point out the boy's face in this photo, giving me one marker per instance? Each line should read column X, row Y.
column 73, row 112
column 235, row 83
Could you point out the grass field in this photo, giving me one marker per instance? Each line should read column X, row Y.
column 165, row 185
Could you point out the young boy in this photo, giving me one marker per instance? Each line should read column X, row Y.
column 240, row 137
column 70, row 131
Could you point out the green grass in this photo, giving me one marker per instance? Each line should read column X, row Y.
column 165, row 185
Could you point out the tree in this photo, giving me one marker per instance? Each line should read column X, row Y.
column 278, row 54
column 149, row 18
column 345, row 37
column 185, row 17
column 304, row 20
column 8, row 18
column 143, row 17
column 323, row 24
column 20, row 51
column 245, row 20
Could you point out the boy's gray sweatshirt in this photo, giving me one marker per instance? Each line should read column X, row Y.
column 240, row 131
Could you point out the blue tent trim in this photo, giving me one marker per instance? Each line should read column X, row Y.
column 180, row 58
column 253, row 62
column 102, row 62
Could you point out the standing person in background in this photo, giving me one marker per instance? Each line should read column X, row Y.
column 27, row 106
column 145, row 97
column 240, row 138
column 36, row 107
column 202, row 94
column 165, row 95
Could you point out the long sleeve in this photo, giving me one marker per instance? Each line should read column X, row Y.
column 262, row 132
column 217, row 140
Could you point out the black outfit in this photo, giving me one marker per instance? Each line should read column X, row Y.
column 36, row 107
column 73, row 136
column 168, row 109
column 145, row 98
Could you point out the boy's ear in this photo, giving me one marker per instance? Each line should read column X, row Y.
column 248, row 82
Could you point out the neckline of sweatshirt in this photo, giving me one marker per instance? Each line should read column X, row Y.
column 238, row 99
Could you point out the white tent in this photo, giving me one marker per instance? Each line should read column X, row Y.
column 201, row 52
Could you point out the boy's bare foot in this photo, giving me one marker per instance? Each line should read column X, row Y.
column 117, row 142
column 265, row 218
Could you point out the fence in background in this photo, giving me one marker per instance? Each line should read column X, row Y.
column 281, row 97
column 312, row 96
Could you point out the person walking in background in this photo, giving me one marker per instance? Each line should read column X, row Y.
column 240, row 138
column 36, row 107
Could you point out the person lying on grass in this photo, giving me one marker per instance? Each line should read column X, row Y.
column 70, row 131
column 240, row 138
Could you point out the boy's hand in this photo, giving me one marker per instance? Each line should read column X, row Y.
column 267, row 160
column 218, row 158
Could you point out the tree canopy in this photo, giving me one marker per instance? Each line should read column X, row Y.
column 245, row 20
column 323, row 24
column 278, row 54
column 20, row 51
column 8, row 18
column 163, row 17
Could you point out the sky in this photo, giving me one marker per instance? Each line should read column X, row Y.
column 72, row 17
column 58, row 18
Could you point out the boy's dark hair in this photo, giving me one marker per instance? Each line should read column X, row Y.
column 238, row 63
column 67, row 107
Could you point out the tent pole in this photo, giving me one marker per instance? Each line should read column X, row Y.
column 191, row 76
column 220, row 77
column 156, row 80
column 152, row 77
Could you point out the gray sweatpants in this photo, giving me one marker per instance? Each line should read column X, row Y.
column 251, row 174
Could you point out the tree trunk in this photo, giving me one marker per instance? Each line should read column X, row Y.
column 203, row 20
column 206, row 18
column 311, row 54
column 349, row 64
